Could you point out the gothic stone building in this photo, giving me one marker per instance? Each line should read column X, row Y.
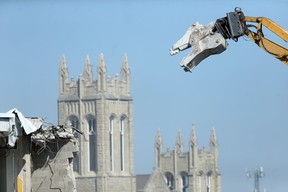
column 192, row 171
column 102, row 110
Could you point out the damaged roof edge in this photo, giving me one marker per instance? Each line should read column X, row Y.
column 27, row 125
column 13, row 121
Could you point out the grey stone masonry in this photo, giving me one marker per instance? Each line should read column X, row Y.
column 195, row 170
column 102, row 110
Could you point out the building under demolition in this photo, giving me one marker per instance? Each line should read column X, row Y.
column 92, row 148
column 35, row 157
column 102, row 110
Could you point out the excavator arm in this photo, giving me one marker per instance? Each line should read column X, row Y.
column 211, row 39
column 269, row 46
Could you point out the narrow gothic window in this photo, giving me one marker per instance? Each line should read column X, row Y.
column 75, row 123
column 169, row 180
column 200, row 175
column 122, row 143
column 91, row 125
column 111, row 147
column 184, row 182
column 208, row 181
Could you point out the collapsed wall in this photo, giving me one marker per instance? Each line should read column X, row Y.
column 37, row 158
column 52, row 153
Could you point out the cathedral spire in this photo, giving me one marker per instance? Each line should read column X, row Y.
column 158, row 139
column 193, row 138
column 179, row 143
column 63, row 66
column 125, row 73
column 213, row 138
column 101, row 73
column 193, row 148
column 101, row 64
column 214, row 148
column 125, row 65
column 63, row 74
column 88, row 75
column 158, row 149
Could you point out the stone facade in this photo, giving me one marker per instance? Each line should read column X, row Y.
column 102, row 111
column 195, row 170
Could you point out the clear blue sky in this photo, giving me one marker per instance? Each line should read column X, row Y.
column 243, row 92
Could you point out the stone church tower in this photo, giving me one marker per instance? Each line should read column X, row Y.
column 193, row 171
column 102, row 110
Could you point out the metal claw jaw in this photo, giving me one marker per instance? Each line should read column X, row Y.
column 210, row 45
column 174, row 51
column 203, row 43
column 182, row 43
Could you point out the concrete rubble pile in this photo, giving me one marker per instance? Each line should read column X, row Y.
column 50, row 133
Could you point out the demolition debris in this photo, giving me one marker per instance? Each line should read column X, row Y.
column 35, row 156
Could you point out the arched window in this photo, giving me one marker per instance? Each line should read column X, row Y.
column 73, row 121
column 122, row 141
column 184, row 182
column 91, row 128
column 200, row 178
column 91, row 125
column 208, row 181
column 111, row 143
column 169, row 180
